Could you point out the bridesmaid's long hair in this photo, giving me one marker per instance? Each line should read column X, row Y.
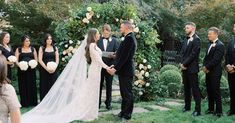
column 90, row 39
column 3, row 72
column 44, row 42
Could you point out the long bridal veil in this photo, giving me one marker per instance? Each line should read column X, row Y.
column 57, row 105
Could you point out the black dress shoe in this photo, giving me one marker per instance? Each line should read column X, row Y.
column 218, row 114
column 209, row 112
column 196, row 113
column 120, row 115
column 185, row 109
column 230, row 113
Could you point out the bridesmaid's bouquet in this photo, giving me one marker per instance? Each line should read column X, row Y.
column 23, row 65
column 33, row 64
column 52, row 66
column 12, row 59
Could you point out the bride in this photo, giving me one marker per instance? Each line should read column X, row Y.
column 75, row 94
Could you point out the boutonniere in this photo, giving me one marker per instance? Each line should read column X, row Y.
column 122, row 38
column 110, row 38
column 213, row 45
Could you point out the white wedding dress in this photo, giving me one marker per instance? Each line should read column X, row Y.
column 75, row 94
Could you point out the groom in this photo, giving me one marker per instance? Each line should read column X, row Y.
column 124, row 68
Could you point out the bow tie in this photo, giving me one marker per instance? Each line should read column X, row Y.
column 188, row 37
column 105, row 38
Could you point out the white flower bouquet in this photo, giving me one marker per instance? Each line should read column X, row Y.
column 33, row 64
column 12, row 58
column 52, row 66
column 23, row 65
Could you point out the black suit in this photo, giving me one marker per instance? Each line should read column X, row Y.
column 124, row 65
column 190, row 57
column 112, row 46
column 212, row 62
column 230, row 59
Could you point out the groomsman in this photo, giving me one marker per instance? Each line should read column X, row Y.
column 190, row 67
column 107, row 44
column 230, row 68
column 213, row 69
column 124, row 68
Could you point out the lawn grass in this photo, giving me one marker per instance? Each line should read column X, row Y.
column 174, row 115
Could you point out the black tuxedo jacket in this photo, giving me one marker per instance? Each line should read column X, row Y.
column 212, row 61
column 124, row 63
column 230, row 53
column 112, row 46
column 190, row 54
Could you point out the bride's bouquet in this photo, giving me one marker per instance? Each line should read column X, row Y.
column 12, row 59
column 52, row 66
column 23, row 65
column 33, row 64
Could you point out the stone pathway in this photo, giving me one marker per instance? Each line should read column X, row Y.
column 173, row 103
column 161, row 108
column 115, row 112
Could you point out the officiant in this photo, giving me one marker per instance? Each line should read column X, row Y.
column 108, row 45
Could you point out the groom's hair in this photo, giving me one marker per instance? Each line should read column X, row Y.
column 128, row 24
column 106, row 27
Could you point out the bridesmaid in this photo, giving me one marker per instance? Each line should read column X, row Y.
column 27, row 79
column 48, row 52
column 7, row 51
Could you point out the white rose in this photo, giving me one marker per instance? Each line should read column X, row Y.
column 140, row 76
column 79, row 42
column 140, row 93
column 88, row 16
column 66, row 45
column 85, row 20
column 69, row 54
column 149, row 66
column 136, row 29
column 136, row 83
column 140, row 86
column 89, row 9
column 23, row 65
column 142, row 72
column 117, row 19
column 63, row 59
column 98, row 15
column 147, row 84
column 141, row 66
column 144, row 61
column 12, row 58
column 70, row 41
column 131, row 20
column 52, row 65
column 74, row 50
column 64, row 52
column 122, row 39
column 33, row 64
column 147, row 74
column 70, row 48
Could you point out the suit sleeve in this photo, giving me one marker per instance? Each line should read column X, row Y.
column 218, row 56
column 96, row 56
column 116, row 45
column 195, row 52
column 125, row 52
column 228, row 53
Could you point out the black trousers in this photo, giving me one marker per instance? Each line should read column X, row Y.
column 191, row 85
column 231, row 82
column 127, row 105
column 108, row 81
column 213, row 91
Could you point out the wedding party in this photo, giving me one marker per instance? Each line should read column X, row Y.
column 111, row 61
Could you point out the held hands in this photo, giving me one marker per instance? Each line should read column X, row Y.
column 230, row 68
column 205, row 70
column 183, row 67
column 111, row 70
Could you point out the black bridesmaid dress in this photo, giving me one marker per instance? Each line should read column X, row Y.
column 46, row 79
column 27, row 81
column 7, row 53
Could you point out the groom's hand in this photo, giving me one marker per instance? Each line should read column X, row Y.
column 111, row 71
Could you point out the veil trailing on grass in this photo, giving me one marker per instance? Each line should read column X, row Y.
column 58, row 105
